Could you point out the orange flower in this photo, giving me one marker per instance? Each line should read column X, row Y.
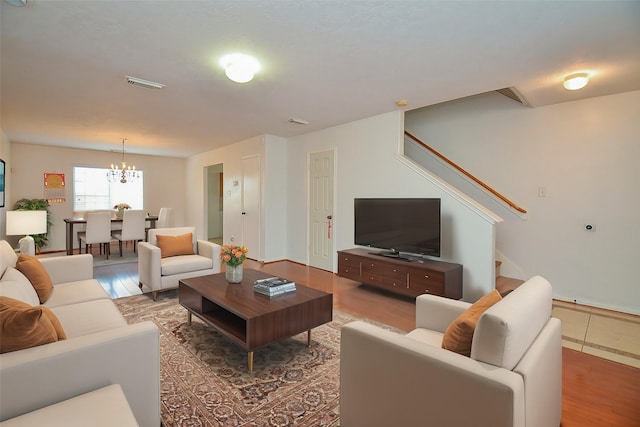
column 233, row 255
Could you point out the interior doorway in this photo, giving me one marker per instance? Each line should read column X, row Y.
column 215, row 203
column 321, row 181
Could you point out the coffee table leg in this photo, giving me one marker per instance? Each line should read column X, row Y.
column 188, row 318
column 250, row 361
column 309, row 339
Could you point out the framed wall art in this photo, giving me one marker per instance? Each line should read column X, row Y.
column 2, row 169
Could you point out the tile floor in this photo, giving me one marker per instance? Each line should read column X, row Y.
column 603, row 333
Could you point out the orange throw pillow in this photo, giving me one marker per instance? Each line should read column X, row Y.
column 175, row 245
column 459, row 334
column 37, row 275
column 23, row 326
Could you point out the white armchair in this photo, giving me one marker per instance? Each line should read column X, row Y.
column 160, row 274
column 512, row 379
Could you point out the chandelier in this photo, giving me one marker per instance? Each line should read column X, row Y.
column 123, row 173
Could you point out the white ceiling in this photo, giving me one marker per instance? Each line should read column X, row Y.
column 63, row 64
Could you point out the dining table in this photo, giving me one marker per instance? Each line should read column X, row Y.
column 72, row 222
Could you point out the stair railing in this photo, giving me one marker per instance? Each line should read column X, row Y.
column 467, row 174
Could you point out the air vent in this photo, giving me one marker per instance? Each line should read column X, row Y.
column 144, row 83
column 299, row 121
column 510, row 92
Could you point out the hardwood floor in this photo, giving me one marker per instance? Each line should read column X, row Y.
column 596, row 392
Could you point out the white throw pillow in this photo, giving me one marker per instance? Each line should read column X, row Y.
column 15, row 285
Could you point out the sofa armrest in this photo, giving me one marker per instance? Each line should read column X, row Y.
column 149, row 265
column 40, row 376
column 64, row 269
column 380, row 369
column 211, row 251
column 436, row 313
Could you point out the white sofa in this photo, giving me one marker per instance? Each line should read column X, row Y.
column 101, row 349
column 159, row 274
column 512, row 379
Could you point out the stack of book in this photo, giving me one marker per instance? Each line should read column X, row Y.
column 273, row 286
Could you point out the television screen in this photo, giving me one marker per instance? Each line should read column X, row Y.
column 398, row 225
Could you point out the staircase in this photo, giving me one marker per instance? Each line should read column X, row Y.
column 504, row 285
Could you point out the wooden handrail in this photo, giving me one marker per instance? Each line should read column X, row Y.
column 467, row 174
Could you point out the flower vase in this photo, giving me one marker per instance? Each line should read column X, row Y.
column 120, row 213
column 233, row 274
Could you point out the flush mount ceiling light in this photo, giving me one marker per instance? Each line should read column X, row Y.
column 575, row 81
column 240, row 67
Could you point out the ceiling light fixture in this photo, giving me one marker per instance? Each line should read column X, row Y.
column 144, row 83
column 575, row 81
column 240, row 67
column 124, row 173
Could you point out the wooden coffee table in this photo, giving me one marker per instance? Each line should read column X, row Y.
column 250, row 319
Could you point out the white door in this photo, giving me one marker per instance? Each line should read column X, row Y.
column 321, row 210
column 251, row 205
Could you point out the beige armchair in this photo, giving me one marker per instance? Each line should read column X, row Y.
column 159, row 274
column 513, row 377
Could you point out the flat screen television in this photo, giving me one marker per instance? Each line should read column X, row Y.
column 398, row 225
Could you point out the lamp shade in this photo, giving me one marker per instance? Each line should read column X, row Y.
column 26, row 222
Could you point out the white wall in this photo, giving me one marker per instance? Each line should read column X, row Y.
column 367, row 166
column 585, row 155
column 274, row 200
column 272, row 153
column 163, row 181
column 231, row 158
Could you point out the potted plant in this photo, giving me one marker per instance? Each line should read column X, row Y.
column 40, row 240
column 233, row 256
column 120, row 209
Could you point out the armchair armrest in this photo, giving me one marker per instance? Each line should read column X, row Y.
column 65, row 269
column 149, row 265
column 436, row 313
column 129, row 356
column 380, row 369
column 211, row 251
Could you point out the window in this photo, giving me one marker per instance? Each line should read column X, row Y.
column 93, row 191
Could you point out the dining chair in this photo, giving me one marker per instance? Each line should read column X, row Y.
column 163, row 218
column 98, row 230
column 133, row 228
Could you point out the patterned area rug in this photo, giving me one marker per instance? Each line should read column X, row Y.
column 204, row 377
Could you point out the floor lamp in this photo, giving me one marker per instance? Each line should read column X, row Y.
column 27, row 223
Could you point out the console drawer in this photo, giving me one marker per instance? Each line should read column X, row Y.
column 372, row 272
column 426, row 282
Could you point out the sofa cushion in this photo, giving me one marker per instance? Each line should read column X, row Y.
column 175, row 245
column 459, row 335
column 75, row 292
column 16, row 285
column 37, row 275
column 89, row 317
column 505, row 331
column 104, row 407
column 24, row 326
column 8, row 256
column 185, row 264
